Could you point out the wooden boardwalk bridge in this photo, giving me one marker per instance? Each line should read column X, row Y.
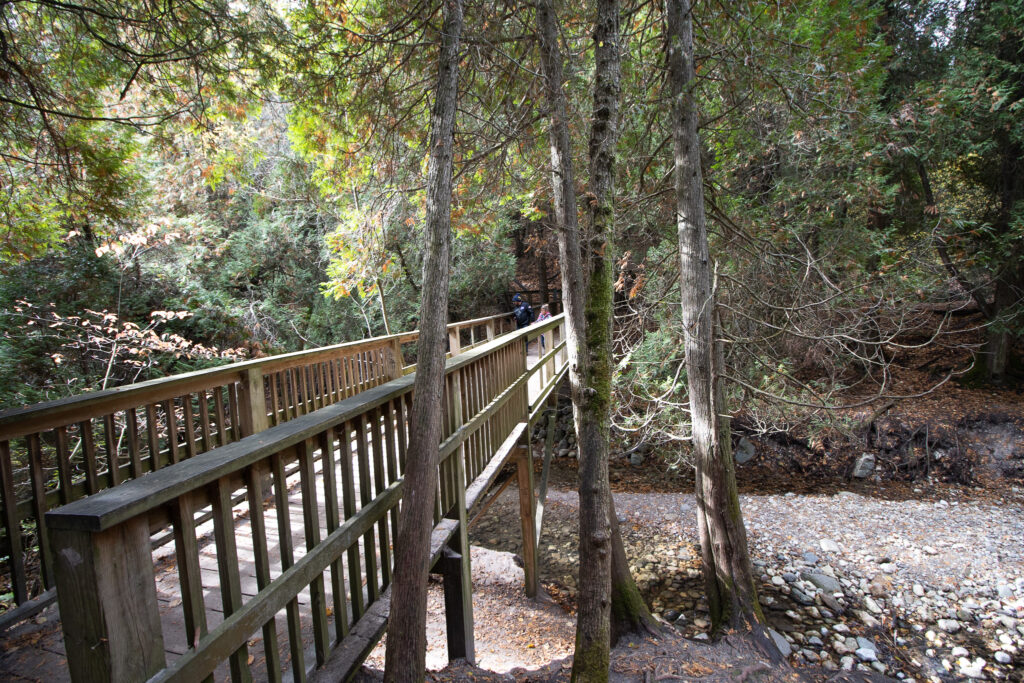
column 238, row 522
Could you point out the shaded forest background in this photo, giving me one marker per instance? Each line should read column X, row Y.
column 191, row 185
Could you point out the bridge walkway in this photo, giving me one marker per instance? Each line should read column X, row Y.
column 489, row 406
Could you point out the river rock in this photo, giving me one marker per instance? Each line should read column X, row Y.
column 780, row 642
column 866, row 654
column 823, row 581
column 975, row 669
column 828, row 545
column 744, row 451
column 949, row 625
column 870, row 603
column 864, row 466
column 801, row 597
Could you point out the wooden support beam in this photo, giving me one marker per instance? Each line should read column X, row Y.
column 456, row 596
column 458, row 580
column 527, row 510
column 542, row 495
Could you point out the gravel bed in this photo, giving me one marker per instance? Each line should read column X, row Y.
column 917, row 589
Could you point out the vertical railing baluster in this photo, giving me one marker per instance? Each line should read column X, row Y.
column 171, row 416
column 275, row 400
column 233, row 408
column 92, row 484
column 227, row 570
column 186, row 546
column 355, row 571
column 190, row 426
column 38, row 476
column 365, row 496
column 110, row 445
column 12, row 523
column 65, row 483
column 152, row 438
column 255, row 477
column 311, row 519
column 393, row 414
column 204, row 419
column 218, row 406
column 331, row 501
column 287, row 552
column 379, row 482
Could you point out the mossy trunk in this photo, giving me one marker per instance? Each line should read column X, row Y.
column 629, row 611
column 587, row 289
column 731, row 592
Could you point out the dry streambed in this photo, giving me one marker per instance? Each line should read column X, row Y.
column 916, row 589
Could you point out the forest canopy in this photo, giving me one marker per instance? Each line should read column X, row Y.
column 187, row 183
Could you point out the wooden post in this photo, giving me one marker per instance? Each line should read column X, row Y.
column 527, row 512
column 457, row 604
column 106, row 589
column 397, row 362
column 490, row 330
column 458, row 581
column 254, row 402
column 454, row 346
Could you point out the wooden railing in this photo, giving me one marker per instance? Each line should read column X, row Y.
column 57, row 452
column 105, row 577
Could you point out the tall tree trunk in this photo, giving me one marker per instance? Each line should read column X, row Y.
column 628, row 611
column 593, row 631
column 405, row 658
column 587, row 288
column 732, row 597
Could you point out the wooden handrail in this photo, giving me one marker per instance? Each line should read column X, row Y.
column 100, row 544
column 17, row 422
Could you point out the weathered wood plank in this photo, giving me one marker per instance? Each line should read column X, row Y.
column 236, row 628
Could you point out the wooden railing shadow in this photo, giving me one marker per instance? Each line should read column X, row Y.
column 57, row 452
column 341, row 556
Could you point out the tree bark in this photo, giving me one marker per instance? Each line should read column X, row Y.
column 405, row 658
column 731, row 592
column 593, row 630
column 587, row 290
